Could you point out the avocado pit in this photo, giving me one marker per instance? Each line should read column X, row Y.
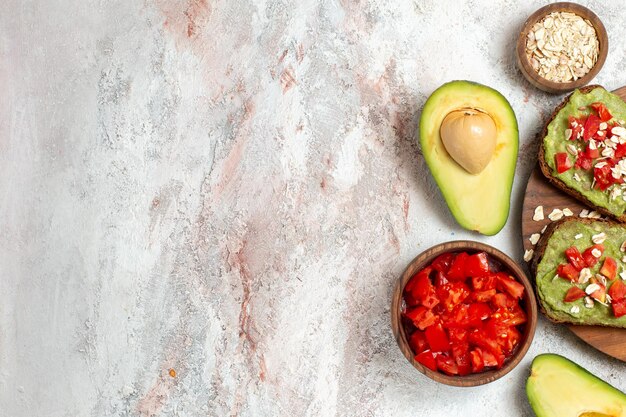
column 469, row 135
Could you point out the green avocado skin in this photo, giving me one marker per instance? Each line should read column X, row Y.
column 554, row 142
column 558, row 387
column 551, row 290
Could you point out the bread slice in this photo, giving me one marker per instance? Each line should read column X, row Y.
column 547, row 286
column 547, row 171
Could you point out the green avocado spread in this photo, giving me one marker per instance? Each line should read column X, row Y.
column 551, row 289
column 555, row 142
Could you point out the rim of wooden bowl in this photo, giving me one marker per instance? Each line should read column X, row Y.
column 530, row 307
column 550, row 86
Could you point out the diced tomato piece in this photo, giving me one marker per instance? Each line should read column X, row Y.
column 427, row 359
column 457, row 335
column 422, row 289
column 442, row 262
column 492, row 360
column 567, row 271
column 603, row 177
column 617, row 290
column 417, row 342
column 609, row 268
column 458, row 317
column 477, row 265
column 487, row 282
column 602, row 111
column 589, row 257
column 599, row 294
column 503, row 300
column 575, row 258
column 576, row 126
column 619, row 308
column 457, row 270
column 620, row 151
column 478, row 312
column 447, row 365
column 483, row 339
column 421, row 317
column 476, row 357
column 573, row 294
column 509, row 340
column 592, row 153
column 437, row 338
column 507, row 283
column 483, row 296
column 452, row 294
column 510, row 317
column 460, row 353
column 562, row 161
column 583, row 162
column 591, row 127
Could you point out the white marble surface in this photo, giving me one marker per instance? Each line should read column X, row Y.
column 230, row 189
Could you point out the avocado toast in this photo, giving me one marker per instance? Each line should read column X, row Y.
column 583, row 150
column 579, row 271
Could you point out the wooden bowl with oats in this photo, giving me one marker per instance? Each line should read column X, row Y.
column 561, row 47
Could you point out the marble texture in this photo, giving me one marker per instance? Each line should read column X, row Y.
column 229, row 189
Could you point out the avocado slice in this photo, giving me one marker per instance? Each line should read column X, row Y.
column 479, row 202
column 557, row 387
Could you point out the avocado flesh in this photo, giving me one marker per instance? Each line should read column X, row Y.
column 557, row 387
column 478, row 202
column 554, row 142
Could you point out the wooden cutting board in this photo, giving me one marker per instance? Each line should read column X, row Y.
column 539, row 192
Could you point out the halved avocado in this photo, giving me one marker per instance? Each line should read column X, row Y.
column 479, row 202
column 557, row 387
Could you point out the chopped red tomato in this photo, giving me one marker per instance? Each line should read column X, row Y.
column 483, row 296
column 478, row 312
column 507, row 283
column 600, row 293
column 487, row 282
column 447, row 365
column 619, row 308
column 460, row 353
column 609, row 268
column 562, row 162
column 442, row 262
column 437, row 338
column 574, row 294
column 477, row 265
column 567, row 271
column 476, row 357
column 467, row 317
column 591, row 127
column 590, row 258
column 452, row 294
column 427, row 359
column 618, row 291
column 457, row 335
column 457, row 268
column 575, row 258
column 592, row 153
column 576, row 126
column 602, row 111
column 583, row 162
column 502, row 300
column 620, row 151
column 603, row 176
column 421, row 317
column 417, row 341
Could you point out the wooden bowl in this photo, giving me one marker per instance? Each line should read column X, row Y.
column 550, row 86
column 528, row 304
